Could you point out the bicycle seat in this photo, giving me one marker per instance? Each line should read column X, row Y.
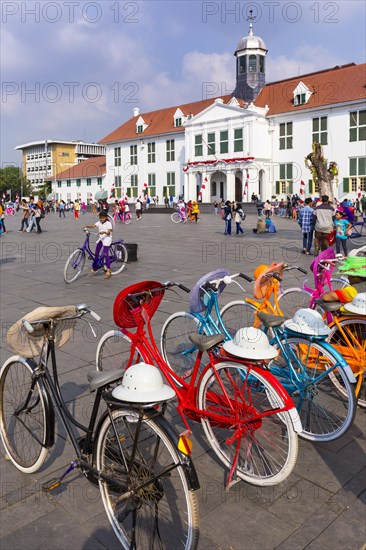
column 270, row 320
column 206, row 342
column 328, row 306
column 98, row 379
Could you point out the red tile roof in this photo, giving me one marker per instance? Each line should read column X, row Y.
column 330, row 86
column 93, row 167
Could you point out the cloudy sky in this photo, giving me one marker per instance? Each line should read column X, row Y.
column 76, row 69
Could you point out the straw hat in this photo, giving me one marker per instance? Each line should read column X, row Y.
column 30, row 344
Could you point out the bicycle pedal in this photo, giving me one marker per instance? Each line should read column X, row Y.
column 50, row 485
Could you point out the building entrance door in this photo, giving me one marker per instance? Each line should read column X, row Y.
column 238, row 190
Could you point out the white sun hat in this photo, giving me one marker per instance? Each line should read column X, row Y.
column 143, row 383
column 250, row 343
column 358, row 304
column 307, row 321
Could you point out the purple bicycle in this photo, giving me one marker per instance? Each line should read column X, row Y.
column 118, row 257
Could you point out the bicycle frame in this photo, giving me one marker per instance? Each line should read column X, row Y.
column 207, row 324
column 265, row 305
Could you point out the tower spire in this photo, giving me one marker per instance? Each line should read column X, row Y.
column 251, row 19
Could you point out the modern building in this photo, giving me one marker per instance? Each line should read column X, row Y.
column 81, row 181
column 41, row 160
column 253, row 141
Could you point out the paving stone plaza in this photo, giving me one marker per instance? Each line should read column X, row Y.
column 320, row 506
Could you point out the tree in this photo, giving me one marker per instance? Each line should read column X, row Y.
column 11, row 178
column 322, row 174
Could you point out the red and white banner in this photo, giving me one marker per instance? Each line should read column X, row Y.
column 216, row 161
column 203, row 187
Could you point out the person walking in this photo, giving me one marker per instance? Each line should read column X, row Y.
column 76, row 209
column 342, row 226
column 138, row 209
column 31, row 214
column 61, row 209
column 39, row 212
column 83, row 207
column 24, row 224
column 259, row 205
column 306, row 222
column 323, row 217
column 195, row 211
column 227, row 216
column 238, row 217
column 282, row 208
column 216, row 207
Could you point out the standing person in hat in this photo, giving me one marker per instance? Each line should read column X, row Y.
column 105, row 229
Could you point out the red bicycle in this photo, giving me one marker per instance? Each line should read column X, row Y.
column 248, row 418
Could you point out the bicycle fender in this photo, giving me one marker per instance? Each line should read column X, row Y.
column 343, row 364
column 186, row 461
column 50, row 411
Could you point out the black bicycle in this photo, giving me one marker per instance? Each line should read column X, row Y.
column 145, row 475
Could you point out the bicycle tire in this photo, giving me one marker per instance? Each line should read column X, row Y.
column 360, row 239
column 236, row 315
column 176, row 347
column 127, row 219
column 175, row 217
column 269, row 445
column 76, row 262
column 114, row 352
column 354, row 330
column 292, row 300
column 339, row 282
column 326, row 413
column 163, row 514
column 24, row 435
column 121, row 263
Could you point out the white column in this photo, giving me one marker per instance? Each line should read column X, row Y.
column 190, row 188
column 206, row 190
column 230, row 185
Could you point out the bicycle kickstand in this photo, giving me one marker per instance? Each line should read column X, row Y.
column 55, row 482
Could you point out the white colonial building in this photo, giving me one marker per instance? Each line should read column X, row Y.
column 80, row 182
column 253, row 141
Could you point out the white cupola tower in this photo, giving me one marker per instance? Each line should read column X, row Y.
column 250, row 65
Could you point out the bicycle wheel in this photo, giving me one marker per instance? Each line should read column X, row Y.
column 175, row 217
column 118, row 256
column 176, row 347
column 74, row 265
column 114, row 351
column 162, row 513
column 265, row 448
column 236, row 315
column 292, row 300
column 321, row 391
column 358, row 236
column 23, row 420
column 348, row 337
column 127, row 218
column 339, row 283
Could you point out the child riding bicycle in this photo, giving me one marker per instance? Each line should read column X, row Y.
column 105, row 229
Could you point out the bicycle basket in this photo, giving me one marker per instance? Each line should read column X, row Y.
column 262, row 282
column 322, row 274
column 30, row 344
column 126, row 314
column 197, row 296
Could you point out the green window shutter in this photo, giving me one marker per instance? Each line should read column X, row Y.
column 277, row 187
column 311, row 185
column 353, row 167
column 345, row 185
column 290, row 187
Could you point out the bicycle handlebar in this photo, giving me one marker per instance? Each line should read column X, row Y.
column 135, row 297
column 228, row 279
column 82, row 309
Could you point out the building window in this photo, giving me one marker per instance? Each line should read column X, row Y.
column 357, row 172
column 68, row 183
column 286, row 135
column 238, row 140
column 151, row 182
column 88, row 181
column 224, row 142
column 198, row 151
column 133, row 154
column 133, row 189
column 320, row 127
column 117, row 156
column 78, row 183
column 169, row 188
column 151, row 152
column 117, row 187
column 242, row 64
column 357, row 123
column 211, row 143
column 140, row 129
column 178, row 122
column 170, row 152
column 261, row 63
column 99, row 181
column 285, row 184
column 252, row 64
column 59, row 183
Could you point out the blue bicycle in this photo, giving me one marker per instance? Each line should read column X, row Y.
column 118, row 257
column 315, row 375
